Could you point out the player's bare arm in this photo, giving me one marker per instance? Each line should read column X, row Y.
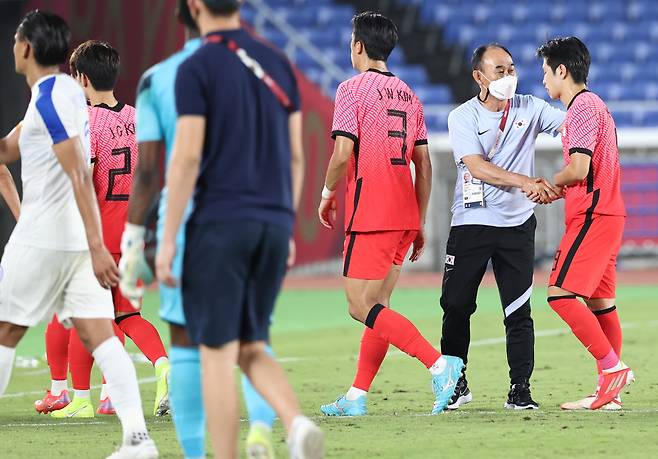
column 536, row 189
column 146, row 184
column 423, row 186
column 575, row 172
column 9, row 151
column 146, row 181
column 297, row 168
column 337, row 169
column 70, row 155
column 9, row 192
column 181, row 180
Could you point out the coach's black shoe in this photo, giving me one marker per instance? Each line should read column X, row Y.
column 462, row 394
column 519, row 398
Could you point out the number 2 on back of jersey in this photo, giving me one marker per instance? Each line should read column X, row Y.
column 111, row 195
column 402, row 159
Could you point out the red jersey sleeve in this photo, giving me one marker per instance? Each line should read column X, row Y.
column 583, row 130
column 421, row 135
column 345, row 121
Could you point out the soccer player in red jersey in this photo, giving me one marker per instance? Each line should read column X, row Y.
column 585, row 263
column 113, row 156
column 379, row 128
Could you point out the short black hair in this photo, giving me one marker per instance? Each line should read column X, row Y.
column 377, row 33
column 223, row 7
column 478, row 54
column 184, row 15
column 49, row 36
column 570, row 52
column 99, row 62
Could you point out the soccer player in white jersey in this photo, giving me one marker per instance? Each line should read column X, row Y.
column 55, row 261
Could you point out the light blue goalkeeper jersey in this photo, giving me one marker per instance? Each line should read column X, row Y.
column 156, row 116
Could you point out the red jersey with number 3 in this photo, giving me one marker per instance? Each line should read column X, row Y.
column 114, row 156
column 590, row 129
column 385, row 119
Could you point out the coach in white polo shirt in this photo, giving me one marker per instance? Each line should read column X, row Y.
column 493, row 140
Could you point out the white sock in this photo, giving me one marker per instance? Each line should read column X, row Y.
column 103, row 392
column 6, row 365
column 56, row 387
column 353, row 393
column 82, row 393
column 439, row 366
column 160, row 361
column 122, row 387
column 296, row 422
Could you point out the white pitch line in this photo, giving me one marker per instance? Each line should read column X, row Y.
column 37, row 392
column 477, row 343
column 50, row 424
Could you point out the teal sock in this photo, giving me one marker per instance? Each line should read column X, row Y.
column 186, row 398
column 259, row 410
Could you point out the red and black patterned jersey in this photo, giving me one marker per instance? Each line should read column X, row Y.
column 590, row 129
column 114, row 156
column 385, row 119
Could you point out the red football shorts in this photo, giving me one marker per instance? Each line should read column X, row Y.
column 121, row 303
column 370, row 255
column 586, row 261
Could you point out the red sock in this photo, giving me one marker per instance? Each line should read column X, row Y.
column 371, row 355
column 584, row 325
column 397, row 330
column 119, row 333
column 80, row 363
column 144, row 335
column 57, row 348
column 609, row 322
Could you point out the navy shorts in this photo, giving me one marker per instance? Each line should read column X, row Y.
column 232, row 275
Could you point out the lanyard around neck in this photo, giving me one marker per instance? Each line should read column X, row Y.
column 255, row 67
column 499, row 134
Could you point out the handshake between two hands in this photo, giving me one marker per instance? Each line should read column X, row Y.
column 541, row 191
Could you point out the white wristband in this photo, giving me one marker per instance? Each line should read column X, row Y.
column 327, row 193
column 133, row 235
column 134, row 231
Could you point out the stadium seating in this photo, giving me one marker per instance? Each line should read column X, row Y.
column 640, row 191
column 327, row 25
column 622, row 36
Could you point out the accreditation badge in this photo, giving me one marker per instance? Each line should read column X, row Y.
column 473, row 190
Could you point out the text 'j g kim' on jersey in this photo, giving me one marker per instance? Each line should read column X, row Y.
column 114, row 155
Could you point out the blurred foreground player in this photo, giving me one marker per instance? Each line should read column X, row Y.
column 586, row 261
column 379, row 128
column 58, row 239
column 156, row 124
column 95, row 65
column 236, row 98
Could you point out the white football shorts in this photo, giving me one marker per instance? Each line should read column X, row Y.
column 38, row 283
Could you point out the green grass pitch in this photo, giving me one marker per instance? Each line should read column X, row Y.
column 317, row 343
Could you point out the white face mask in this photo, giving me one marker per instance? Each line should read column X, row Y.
column 503, row 88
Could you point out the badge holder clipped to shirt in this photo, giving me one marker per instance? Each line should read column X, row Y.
column 473, row 189
column 255, row 67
